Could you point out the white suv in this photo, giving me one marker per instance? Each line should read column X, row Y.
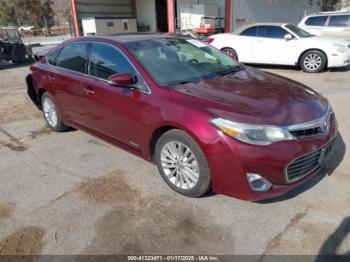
column 329, row 24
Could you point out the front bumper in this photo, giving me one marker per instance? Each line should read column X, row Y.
column 231, row 160
column 339, row 59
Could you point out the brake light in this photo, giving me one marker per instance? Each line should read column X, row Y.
column 210, row 40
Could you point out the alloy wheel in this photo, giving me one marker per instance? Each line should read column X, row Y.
column 313, row 62
column 180, row 165
column 50, row 112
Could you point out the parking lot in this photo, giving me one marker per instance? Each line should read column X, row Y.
column 70, row 193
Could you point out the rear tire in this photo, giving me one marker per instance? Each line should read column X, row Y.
column 313, row 61
column 51, row 114
column 230, row 52
column 182, row 164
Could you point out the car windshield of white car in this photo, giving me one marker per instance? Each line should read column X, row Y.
column 298, row 31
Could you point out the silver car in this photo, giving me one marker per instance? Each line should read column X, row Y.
column 335, row 24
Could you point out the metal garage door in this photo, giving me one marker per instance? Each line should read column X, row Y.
column 104, row 8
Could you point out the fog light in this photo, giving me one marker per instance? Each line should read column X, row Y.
column 258, row 183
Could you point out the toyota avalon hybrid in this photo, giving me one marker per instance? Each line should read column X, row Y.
column 206, row 121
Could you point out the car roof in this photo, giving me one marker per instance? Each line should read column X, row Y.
column 329, row 13
column 244, row 27
column 130, row 37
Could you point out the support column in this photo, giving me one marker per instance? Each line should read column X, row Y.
column 171, row 16
column 134, row 9
column 228, row 16
column 75, row 17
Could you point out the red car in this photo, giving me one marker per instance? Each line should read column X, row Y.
column 206, row 121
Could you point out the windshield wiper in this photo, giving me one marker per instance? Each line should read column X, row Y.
column 230, row 71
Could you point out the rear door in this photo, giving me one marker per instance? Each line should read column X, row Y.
column 68, row 76
column 271, row 47
column 339, row 26
column 245, row 43
column 115, row 112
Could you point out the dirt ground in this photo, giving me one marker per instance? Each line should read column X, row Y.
column 71, row 193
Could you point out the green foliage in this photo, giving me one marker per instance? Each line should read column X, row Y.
column 35, row 12
column 325, row 5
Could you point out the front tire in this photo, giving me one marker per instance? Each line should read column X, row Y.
column 313, row 61
column 51, row 114
column 182, row 164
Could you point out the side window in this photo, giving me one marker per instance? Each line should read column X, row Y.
column 272, row 32
column 52, row 57
column 73, row 57
column 339, row 20
column 316, row 21
column 252, row 31
column 106, row 60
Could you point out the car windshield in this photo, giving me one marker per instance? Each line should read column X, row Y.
column 298, row 31
column 172, row 61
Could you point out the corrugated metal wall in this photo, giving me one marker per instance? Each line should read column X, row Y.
column 252, row 11
column 105, row 8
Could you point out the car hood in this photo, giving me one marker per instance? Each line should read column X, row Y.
column 254, row 97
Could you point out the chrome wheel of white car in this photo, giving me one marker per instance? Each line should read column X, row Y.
column 180, row 165
column 313, row 61
column 230, row 52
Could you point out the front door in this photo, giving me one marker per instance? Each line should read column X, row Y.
column 271, row 47
column 115, row 112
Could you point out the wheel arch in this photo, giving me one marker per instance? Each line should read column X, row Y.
column 157, row 132
column 312, row 49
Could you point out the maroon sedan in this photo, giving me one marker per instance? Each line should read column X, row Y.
column 206, row 121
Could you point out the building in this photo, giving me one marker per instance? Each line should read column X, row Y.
column 175, row 15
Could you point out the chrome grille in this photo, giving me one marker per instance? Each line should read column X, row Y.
column 304, row 165
column 314, row 128
column 307, row 132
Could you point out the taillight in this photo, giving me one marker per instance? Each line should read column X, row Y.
column 210, row 40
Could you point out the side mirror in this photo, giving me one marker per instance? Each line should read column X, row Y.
column 288, row 37
column 122, row 79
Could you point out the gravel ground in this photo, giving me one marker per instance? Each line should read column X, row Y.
column 71, row 193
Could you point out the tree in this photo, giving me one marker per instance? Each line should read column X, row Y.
column 46, row 18
column 36, row 12
column 7, row 13
column 325, row 5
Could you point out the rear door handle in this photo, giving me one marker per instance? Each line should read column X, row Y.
column 88, row 91
column 51, row 77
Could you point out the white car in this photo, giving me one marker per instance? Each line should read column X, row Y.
column 283, row 44
column 335, row 24
column 25, row 28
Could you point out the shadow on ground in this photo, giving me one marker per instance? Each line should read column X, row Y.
column 11, row 65
column 295, row 68
column 334, row 241
column 328, row 169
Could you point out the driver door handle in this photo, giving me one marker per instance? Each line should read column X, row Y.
column 88, row 91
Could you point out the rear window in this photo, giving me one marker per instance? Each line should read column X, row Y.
column 339, row 20
column 250, row 31
column 73, row 57
column 317, row 20
column 52, row 57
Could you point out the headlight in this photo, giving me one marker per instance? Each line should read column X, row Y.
column 252, row 134
column 340, row 48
